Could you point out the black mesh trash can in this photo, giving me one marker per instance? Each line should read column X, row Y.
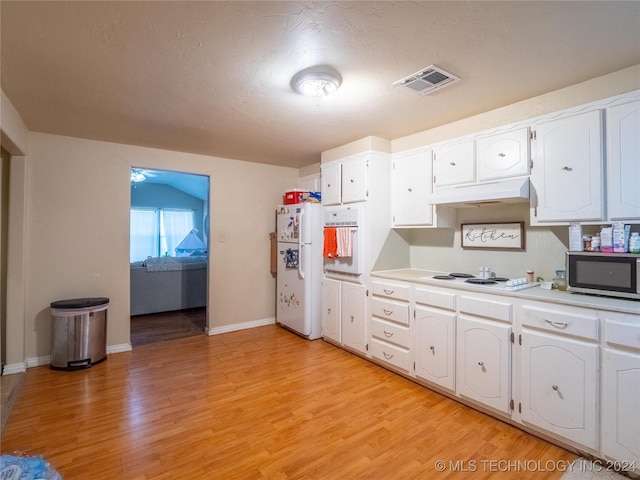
column 79, row 337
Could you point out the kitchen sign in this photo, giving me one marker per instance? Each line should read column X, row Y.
column 496, row 236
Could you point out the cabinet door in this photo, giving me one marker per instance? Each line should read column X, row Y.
column 354, row 300
column 483, row 361
column 559, row 386
column 503, row 155
column 331, row 312
column 620, row 412
column 454, row 164
column 567, row 171
column 623, row 161
column 410, row 188
column 330, row 174
column 354, row 180
column 434, row 346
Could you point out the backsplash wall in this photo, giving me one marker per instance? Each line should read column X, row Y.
column 440, row 249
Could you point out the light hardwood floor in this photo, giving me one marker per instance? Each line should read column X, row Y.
column 253, row 404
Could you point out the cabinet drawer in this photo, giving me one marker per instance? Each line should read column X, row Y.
column 486, row 307
column 390, row 310
column 623, row 334
column 574, row 322
column 434, row 297
column 390, row 332
column 397, row 291
column 391, row 354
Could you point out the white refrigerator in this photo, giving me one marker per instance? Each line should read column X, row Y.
column 299, row 275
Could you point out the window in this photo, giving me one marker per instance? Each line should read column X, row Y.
column 157, row 232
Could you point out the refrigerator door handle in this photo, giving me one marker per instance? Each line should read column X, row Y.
column 300, row 243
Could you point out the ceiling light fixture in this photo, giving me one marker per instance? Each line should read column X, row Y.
column 318, row 81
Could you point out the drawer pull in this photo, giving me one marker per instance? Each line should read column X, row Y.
column 502, row 155
column 387, row 334
column 560, row 325
column 453, row 164
column 328, row 311
column 388, row 292
column 481, row 364
column 387, row 312
column 433, row 349
column 351, row 318
column 555, row 387
column 567, row 169
column 388, row 356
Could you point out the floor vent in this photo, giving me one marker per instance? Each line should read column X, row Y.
column 427, row 80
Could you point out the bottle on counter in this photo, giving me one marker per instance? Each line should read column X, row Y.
column 595, row 243
column 634, row 243
column 560, row 280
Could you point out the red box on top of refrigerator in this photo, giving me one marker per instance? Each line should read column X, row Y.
column 295, row 196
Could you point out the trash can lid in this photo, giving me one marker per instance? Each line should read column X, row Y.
column 80, row 302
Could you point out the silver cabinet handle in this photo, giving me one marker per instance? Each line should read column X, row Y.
column 387, row 312
column 351, row 180
column 352, row 318
column 502, row 154
column 387, row 334
column 433, row 349
column 481, row 364
column 453, row 164
column 328, row 311
column 388, row 292
column 560, row 325
column 567, row 169
column 410, row 189
column 387, row 355
column 555, row 387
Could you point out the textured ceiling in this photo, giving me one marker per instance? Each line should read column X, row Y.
column 213, row 77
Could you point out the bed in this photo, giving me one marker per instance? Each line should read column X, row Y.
column 165, row 284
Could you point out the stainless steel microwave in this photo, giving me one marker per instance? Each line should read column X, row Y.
column 610, row 274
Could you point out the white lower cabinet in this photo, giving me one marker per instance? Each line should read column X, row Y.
column 331, row 312
column 390, row 331
column 571, row 373
column 621, row 390
column 354, row 301
column 344, row 313
column 559, row 371
column 558, row 386
column 434, row 340
column 484, row 362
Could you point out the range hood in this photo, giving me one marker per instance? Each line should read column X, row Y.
column 509, row 190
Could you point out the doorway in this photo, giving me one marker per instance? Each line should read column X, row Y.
column 169, row 255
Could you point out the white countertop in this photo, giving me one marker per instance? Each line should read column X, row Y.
column 415, row 275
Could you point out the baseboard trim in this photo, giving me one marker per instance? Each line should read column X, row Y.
column 38, row 361
column 241, row 326
column 120, row 348
column 13, row 368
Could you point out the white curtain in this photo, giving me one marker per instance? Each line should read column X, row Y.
column 145, row 232
column 174, row 226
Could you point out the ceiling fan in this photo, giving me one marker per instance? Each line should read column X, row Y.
column 140, row 175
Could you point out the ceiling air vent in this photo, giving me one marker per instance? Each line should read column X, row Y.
column 427, row 80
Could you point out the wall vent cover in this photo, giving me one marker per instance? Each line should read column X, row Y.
column 427, row 80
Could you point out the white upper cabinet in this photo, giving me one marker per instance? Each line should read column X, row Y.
column 345, row 181
column 354, row 179
column 503, row 155
column 331, row 183
column 454, row 164
column 410, row 189
column 623, row 161
column 567, row 171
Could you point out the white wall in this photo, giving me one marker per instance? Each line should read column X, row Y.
column 78, row 231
